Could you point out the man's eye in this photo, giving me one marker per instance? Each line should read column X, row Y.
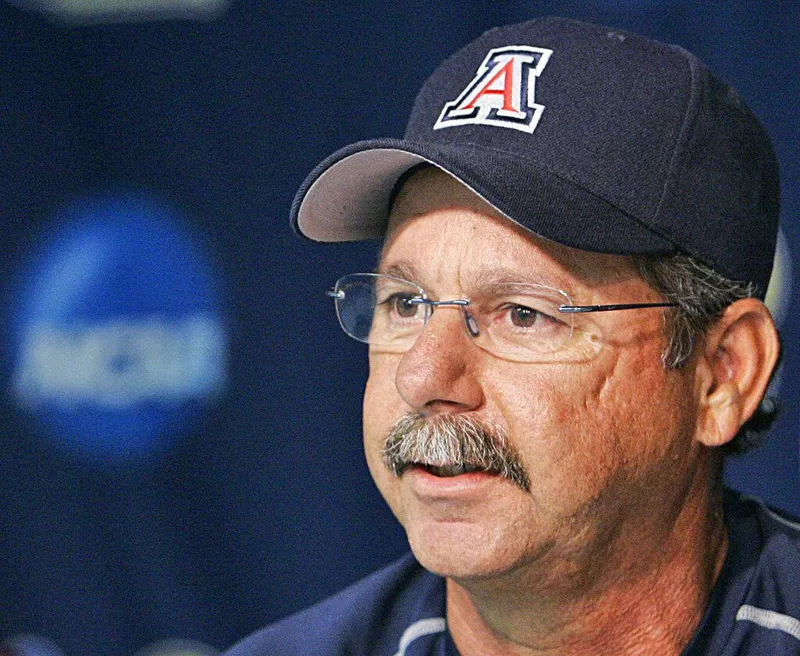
column 524, row 317
column 401, row 304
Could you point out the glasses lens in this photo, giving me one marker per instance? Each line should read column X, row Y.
column 519, row 321
column 522, row 321
column 378, row 309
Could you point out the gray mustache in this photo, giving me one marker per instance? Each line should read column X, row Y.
column 455, row 441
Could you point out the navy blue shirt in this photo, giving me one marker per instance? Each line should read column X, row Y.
column 400, row 610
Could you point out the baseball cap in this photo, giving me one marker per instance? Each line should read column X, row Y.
column 595, row 138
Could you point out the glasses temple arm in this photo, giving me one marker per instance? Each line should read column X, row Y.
column 581, row 309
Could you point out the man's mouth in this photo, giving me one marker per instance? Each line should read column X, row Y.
column 452, row 445
column 447, row 471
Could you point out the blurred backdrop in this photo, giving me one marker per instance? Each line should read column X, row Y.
column 181, row 458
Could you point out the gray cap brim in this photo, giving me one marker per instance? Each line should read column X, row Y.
column 346, row 197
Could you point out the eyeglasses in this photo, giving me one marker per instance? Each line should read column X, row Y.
column 524, row 322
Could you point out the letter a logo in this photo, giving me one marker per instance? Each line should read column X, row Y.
column 502, row 91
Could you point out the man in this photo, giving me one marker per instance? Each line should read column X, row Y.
column 566, row 337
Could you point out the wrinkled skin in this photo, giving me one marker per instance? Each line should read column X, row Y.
column 605, row 432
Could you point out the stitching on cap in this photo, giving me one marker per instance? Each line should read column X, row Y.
column 688, row 119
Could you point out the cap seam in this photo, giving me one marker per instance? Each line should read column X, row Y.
column 688, row 119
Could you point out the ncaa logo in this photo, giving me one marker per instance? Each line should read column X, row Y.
column 502, row 91
column 117, row 329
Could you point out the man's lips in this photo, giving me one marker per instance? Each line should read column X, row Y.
column 437, row 484
column 446, row 470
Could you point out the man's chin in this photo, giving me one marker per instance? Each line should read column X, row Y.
column 460, row 550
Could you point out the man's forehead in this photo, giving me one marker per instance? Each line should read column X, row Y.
column 432, row 190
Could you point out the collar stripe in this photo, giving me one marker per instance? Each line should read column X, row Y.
column 769, row 619
column 419, row 629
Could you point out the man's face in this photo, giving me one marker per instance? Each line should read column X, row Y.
column 603, row 432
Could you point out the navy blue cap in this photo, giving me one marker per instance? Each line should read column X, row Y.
column 594, row 138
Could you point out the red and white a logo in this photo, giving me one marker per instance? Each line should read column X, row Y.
column 502, row 91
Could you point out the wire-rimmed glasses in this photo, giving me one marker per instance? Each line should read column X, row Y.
column 520, row 321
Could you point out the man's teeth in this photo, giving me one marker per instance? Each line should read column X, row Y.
column 450, row 470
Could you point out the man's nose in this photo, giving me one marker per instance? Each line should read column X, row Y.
column 438, row 374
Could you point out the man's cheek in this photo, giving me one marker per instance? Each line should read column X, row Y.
column 380, row 393
column 381, row 409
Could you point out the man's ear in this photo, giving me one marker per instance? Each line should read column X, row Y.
column 740, row 351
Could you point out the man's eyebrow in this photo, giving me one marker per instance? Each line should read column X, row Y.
column 404, row 270
column 496, row 280
column 502, row 279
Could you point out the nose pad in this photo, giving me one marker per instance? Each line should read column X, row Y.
column 471, row 323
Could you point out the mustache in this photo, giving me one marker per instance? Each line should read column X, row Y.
column 452, row 441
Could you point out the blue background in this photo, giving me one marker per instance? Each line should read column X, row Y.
column 265, row 505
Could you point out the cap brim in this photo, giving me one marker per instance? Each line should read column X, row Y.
column 346, row 197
